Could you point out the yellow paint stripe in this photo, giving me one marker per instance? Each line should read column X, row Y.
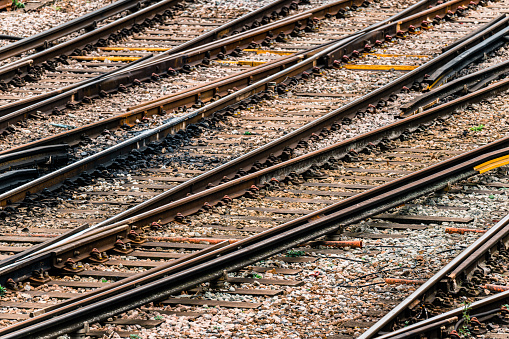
column 148, row 49
column 102, row 58
column 380, row 67
column 266, row 51
column 492, row 164
column 397, row 55
column 242, row 62
column 433, row 84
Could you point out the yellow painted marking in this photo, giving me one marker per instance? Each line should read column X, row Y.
column 265, row 51
column 397, row 55
column 492, row 164
column 102, row 58
column 148, row 49
column 242, row 62
column 380, row 67
column 433, row 84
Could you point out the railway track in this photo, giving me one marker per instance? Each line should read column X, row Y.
column 39, row 17
column 30, row 70
column 105, row 59
column 316, row 177
column 440, row 171
column 156, row 188
column 144, row 187
column 59, row 124
column 110, row 53
column 76, row 135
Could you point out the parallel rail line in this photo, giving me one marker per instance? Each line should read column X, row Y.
column 211, row 263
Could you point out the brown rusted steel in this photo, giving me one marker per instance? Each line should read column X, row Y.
column 117, row 287
column 433, row 327
column 397, row 281
column 239, row 186
column 6, row 4
column 21, row 66
column 234, row 256
column 271, row 176
column 452, row 230
column 178, row 61
column 40, row 101
column 458, row 268
column 496, row 288
column 91, row 88
column 192, row 240
column 87, row 21
column 403, row 25
column 156, row 107
column 339, row 244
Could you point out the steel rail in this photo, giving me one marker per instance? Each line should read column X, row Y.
column 247, row 251
column 237, row 187
column 22, row 65
column 492, row 303
column 275, row 147
column 457, row 270
column 126, row 77
column 91, row 88
column 204, row 178
column 33, row 156
column 158, row 107
column 154, row 202
column 10, row 37
column 441, row 75
column 21, row 110
column 11, row 179
column 484, row 28
column 88, row 22
column 67, row 93
column 289, row 140
column 470, row 255
column 319, row 12
column 465, row 84
column 110, row 153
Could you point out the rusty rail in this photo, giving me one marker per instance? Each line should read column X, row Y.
column 23, row 65
column 275, row 147
column 206, row 266
column 87, row 22
column 468, row 83
column 90, row 88
column 146, row 213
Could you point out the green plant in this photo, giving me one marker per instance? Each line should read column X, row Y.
column 18, row 4
column 2, row 290
column 134, row 336
column 56, row 8
column 247, row 133
column 158, row 317
column 465, row 314
column 477, row 128
column 257, row 276
column 293, row 253
column 104, row 280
